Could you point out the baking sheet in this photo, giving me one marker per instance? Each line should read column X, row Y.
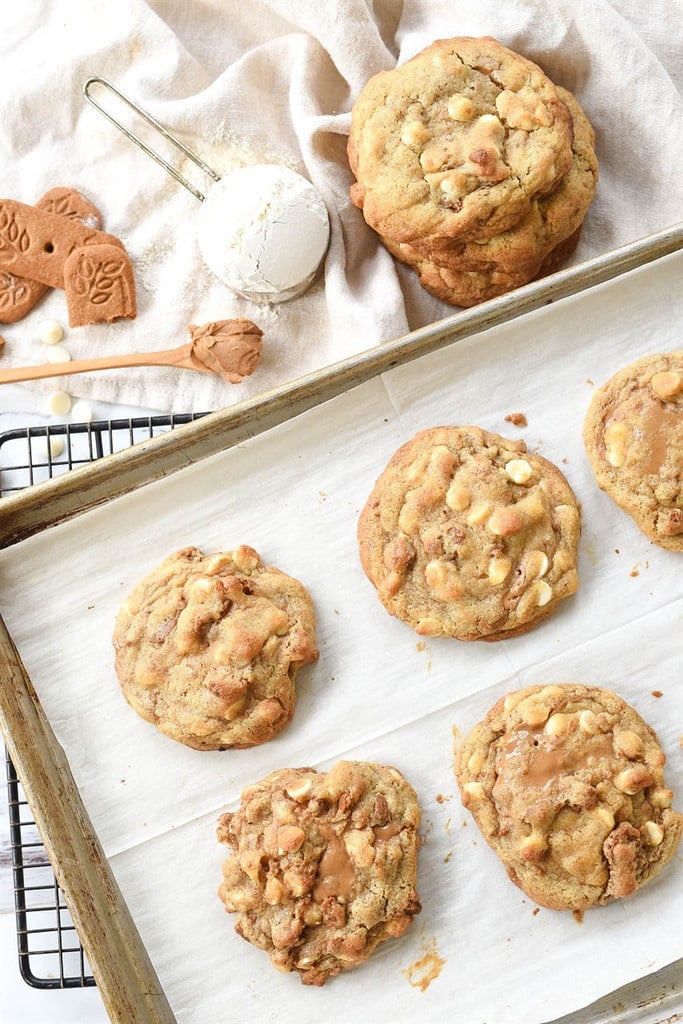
column 378, row 691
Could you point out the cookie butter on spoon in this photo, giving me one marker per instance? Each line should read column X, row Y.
column 230, row 348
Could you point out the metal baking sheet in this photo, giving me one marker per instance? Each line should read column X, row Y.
column 403, row 399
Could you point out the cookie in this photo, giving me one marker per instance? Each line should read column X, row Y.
column 470, row 286
column 552, row 219
column 467, row 535
column 457, row 142
column 322, row 865
column 99, row 285
column 566, row 784
column 633, row 435
column 208, row 646
column 19, row 295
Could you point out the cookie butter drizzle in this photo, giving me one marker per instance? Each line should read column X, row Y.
column 547, row 762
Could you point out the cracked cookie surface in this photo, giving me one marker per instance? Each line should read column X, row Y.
column 457, row 142
column 467, row 535
column 322, row 865
column 207, row 647
column 566, row 783
column 633, row 435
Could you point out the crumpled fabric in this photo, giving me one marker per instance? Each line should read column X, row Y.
column 274, row 81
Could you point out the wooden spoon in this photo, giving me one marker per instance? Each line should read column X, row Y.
column 181, row 357
column 228, row 348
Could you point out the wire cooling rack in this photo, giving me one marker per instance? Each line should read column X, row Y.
column 50, row 953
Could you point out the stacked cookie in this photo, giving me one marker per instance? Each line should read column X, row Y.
column 473, row 167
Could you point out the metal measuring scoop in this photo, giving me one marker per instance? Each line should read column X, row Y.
column 263, row 230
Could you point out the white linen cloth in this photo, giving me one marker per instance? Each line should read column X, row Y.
column 274, row 81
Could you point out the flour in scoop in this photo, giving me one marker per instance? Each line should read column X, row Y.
column 263, row 231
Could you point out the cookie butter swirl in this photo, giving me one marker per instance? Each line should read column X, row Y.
column 229, row 348
column 322, row 865
column 633, row 435
column 566, row 783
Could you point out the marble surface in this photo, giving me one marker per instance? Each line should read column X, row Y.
column 19, row 1003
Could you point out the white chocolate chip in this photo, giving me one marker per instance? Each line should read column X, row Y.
column 460, row 108
column 558, row 724
column 628, row 743
column 536, row 564
column 299, row 790
column 532, row 713
column 533, row 846
column 59, row 403
column 505, row 521
column 543, row 593
column 58, row 354
column 654, row 833
column 479, row 513
column 666, row 384
column 499, row 570
column 588, row 723
column 661, row 798
column 605, row 816
column 475, row 790
column 53, row 446
column 616, row 436
column 50, row 332
column 245, row 558
column 414, row 134
column 428, row 627
column 458, row 497
column 476, row 762
column 81, row 412
column 632, row 780
column 519, row 471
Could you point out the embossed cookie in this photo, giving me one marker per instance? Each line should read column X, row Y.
column 322, row 865
column 19, row 295
column 208, row 646
column 467, row 535
column 457, row 142
column 633, row 435
column 566, row 784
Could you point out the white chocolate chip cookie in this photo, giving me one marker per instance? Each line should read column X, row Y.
column 457, row 142
column 467, row 535
column 566, row 784
column 633, row 434
column 322, row 865
column 208, row 646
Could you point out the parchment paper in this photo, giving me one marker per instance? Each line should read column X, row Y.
column 378, row 691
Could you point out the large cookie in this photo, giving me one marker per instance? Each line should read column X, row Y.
column 208, row 646
column 566, row 784
column 464, row 273
column 633, row 434
column 465, row 534
column 322, row 866
column 552, row 218
column 457, row 142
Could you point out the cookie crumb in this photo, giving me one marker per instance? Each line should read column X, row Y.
column 635, row 571
column 425, row 970
column 657, row 693
column 518, row 419
column 448, row 857
column 441, row 799
column 535, row 911
column 578, row 916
